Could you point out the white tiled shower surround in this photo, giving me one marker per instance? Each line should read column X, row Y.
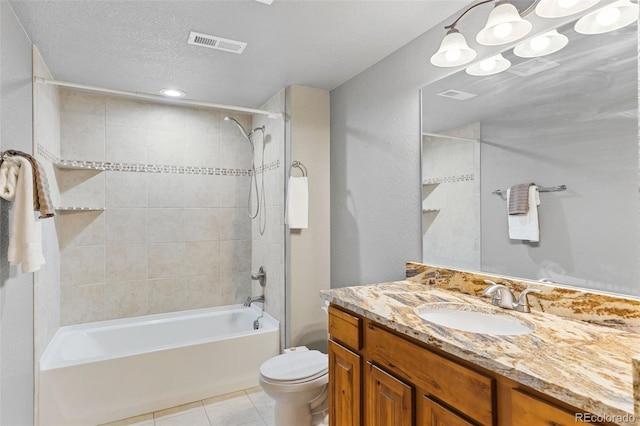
column 165, row 241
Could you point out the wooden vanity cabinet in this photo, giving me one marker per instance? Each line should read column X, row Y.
column 378, row 377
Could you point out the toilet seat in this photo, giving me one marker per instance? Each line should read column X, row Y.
column 295, row 367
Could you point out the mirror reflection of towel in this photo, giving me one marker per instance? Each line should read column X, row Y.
column 297, row 216
column 525, row 226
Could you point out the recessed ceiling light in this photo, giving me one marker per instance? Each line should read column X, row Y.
column 172, row 93
column 265, row 1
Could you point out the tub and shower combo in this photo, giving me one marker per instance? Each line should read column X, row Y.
column 100, row 372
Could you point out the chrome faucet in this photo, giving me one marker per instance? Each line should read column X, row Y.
column 504, row 298
column 250, row 300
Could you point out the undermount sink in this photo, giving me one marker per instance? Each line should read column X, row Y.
column 474, row 319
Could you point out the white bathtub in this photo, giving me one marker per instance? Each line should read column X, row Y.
column 104, row 371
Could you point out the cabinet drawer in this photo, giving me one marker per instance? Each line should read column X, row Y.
column 471, row 393
column 345, row 328
column 528, row 410
column 434, row 414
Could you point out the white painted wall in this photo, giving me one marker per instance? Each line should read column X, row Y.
column 16, row 289
column 309, row 249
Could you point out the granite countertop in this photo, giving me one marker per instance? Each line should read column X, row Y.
column 585, row 365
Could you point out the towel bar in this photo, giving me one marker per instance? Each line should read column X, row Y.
column 540, row 189
column 298, row 165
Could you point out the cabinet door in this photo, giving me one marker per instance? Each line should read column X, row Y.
column 528, row 410
column 389, row 401
column 430, row 413
column 344, row 386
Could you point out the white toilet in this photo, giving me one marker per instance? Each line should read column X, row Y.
column 297, row 381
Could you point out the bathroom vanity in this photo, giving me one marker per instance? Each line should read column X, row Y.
column 388, row 366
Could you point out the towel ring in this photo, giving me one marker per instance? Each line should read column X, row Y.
column 298, row 165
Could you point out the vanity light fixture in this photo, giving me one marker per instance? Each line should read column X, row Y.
column 541, row 45
column 493, row 65
column 504, row 25
column 561, row 8
column 172, row 93
column 609, row 18
column 453, row 51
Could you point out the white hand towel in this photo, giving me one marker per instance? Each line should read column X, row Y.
column 298, row 203
column 25, row 242
column 525, row 226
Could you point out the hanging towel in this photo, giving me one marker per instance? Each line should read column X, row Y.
column 297, row 216
column 518, row 198
column 25, row 242
column 41, row 197
column 525, row 226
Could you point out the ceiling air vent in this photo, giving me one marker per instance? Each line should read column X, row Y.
column 214, row 42
column 532, row 66
column 456, row 94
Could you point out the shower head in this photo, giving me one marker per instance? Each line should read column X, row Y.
column 240, row 126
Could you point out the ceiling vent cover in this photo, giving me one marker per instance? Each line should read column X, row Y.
column 456, row 94
column 532, row 66
column 214, row 42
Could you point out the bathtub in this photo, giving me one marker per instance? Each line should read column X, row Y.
column 104, row 371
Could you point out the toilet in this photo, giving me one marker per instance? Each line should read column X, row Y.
column 297, row 382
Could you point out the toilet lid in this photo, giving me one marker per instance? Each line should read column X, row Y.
column 295, row 366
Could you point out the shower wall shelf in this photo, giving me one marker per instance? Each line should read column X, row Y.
column 430, row 210
column 448, row 179
column 79, row 209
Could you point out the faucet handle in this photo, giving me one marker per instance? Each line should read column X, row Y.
column 491, row 291
column 523, row 302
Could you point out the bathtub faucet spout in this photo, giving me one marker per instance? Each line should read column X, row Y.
column 250, row 300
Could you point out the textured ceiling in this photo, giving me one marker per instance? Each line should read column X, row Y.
column 142, row 45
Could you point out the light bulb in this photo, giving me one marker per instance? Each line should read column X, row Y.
column 540, row 43
column 502, row 30
column 452, row 55
column 566, row 4
column 608, row 16
column 488, row 64
column 172, row 93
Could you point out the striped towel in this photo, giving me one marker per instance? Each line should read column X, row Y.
column 41, row 197
column 518, row 198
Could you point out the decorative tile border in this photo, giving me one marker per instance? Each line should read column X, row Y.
column 449, row 179
column 268, row 167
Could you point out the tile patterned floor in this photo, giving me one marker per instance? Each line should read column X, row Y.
column 251, row 407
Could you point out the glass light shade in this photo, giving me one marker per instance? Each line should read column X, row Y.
column 560, row 8
column 453, row 51
column 541, row 45
column 609, row 18
column 504, row 25
column 492, row 65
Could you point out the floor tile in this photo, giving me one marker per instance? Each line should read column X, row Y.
column 263, row 403
column 234, row 409
column 184, row 415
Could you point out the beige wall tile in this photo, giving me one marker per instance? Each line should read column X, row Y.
column 126, row 262
column 84, row 103
column 165, row 117
column 80, row 304
column 235, row 287
column 202, row 258
column 234, row 191
column 235, row 224
column 202, row 291
column 82, row 141
column 80, row 228
column 82, row 265
column 126, row 190
column 126, row 144
column 200, row 120
column 165, row 147
column 166, row 260
column 235, row 256
column 125, row 226
column 165, row 225
column 202, row 224
column 126, row 112
column 202, row 191
column 165, row 190
column 202, row 150
column 83, row 188
column 126, row 299
column 167, row 295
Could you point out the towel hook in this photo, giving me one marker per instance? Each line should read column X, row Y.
column 298, row 165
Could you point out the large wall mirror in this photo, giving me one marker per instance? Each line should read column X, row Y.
column 569, row 118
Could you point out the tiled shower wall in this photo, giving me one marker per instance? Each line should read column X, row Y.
column 165, row 241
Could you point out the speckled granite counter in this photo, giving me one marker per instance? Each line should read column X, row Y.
column 585, row 365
